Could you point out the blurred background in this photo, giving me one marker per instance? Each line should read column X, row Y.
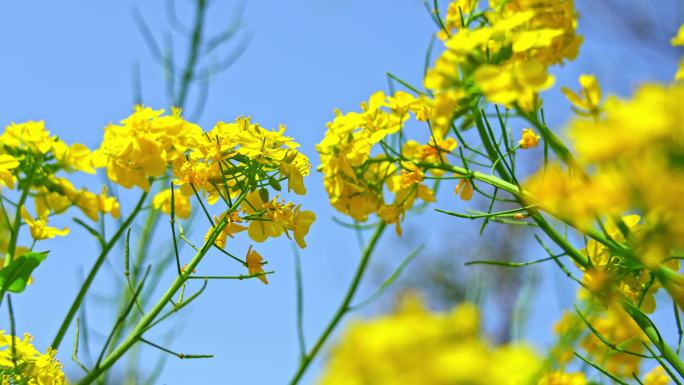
column 80, row 65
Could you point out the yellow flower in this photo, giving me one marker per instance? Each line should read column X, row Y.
column 294, row 167
column 276, row 218
column 576, row 198
column 143, row 144
column 47, row 202
column 416, row 346
column 302, row 222
column 434, row 152
column 562, row 378
column 231, row 228
column 76, row 157
column 39, row 228
column 29, row 135
column 657, row 376
column 410, row 175
column 618, row 328
column 511, row 84
column 255, row 265
column 680, row 71
column 465, row 188
column 352, row 179
column 162, row 202
column 29, row 364
column 107, row 204
column 7, row 163
column 90, row 203
column 588, row 99
column 679, row 39
column 529, row 139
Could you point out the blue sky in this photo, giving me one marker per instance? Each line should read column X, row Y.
column 70, row 63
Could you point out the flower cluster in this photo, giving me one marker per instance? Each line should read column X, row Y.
column 506, row 56
column 611, row 324
column 233, row 163
column 503, row 57
column 356, row 178
column 31, row 159
column 22, row 363
column 627, row 160
column 416, row 346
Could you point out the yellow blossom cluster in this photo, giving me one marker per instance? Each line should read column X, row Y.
column 235, row 163
column 611, row 277
column 31, row 158
column 507, row 54
column 229, row 160
column 502, row 53
column 613, row 326
column 22, row 363
column 416, row 346
column 628, row 159
column 356, row 178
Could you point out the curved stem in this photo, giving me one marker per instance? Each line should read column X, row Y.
column 649, row 329
column 344, row 306
column 644, row 323
column 93, row 272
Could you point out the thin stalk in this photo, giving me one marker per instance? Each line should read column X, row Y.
column 644, row 323
column 195, row 45
column 14, row 237
column 93, row 272
column 300, row 302
column 344, row 306
column 143, row 324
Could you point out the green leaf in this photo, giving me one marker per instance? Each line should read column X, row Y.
column 15, row 276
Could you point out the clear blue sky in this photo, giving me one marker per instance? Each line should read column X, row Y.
column 70, row 64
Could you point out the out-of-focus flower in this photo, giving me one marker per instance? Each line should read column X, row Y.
column 181, row 203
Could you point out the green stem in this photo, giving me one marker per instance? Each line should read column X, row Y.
column 196, row 42
column 143, row 324
column 643, row 322
column 93, row 272
column 648, row 328
column 344, row 306
column 14, row 237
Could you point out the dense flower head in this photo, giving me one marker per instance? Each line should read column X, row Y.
column 143, row 144
column 505, row 50
column 231, row 154
column 627, row 160
column 27, row 365
column 239, row 160
column 36, row 162
column 355, row 178
column 609, row 325
column 416, row 346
